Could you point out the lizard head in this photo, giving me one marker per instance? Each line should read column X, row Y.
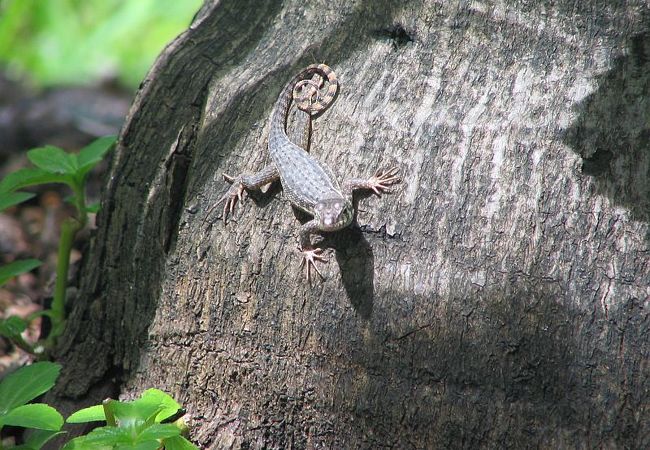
column 333, row 213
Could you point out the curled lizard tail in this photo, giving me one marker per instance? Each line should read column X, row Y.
column 306, row 94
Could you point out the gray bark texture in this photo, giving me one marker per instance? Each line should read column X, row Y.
column 497, row 299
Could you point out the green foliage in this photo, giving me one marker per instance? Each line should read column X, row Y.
column 138, row 424
column 134, row 425
column 9, row 199
column 15, row 268
column 65, row 41
column 90, row 414
column 53, row 165
column 12, row 327
column 22, row 386
column 27, row 383
column 178, row 443
column 37, row 439
column 36, row 415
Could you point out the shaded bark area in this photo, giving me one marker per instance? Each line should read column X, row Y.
column 498, row 299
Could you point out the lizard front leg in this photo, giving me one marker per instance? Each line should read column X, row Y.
column 310, row 254
column 378, row 183
column 242, row 183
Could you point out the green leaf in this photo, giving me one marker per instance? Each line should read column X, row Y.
column 12, row 326
column 93, row 208
column 126, row 414
column 9, row 199
column 16, row 268
column 136, row 420
column 109, row 436
column 35, row 415
column 79, row 443
column 26, row 384
column 30, row 177
column 54, row 160
column 147, row 445
column 158, row 431
column 37, row 438
column 94, row 152
column 179, row 443
column 91, row 414
column 160, row 399
column 151, row 405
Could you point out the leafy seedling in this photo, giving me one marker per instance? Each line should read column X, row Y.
column 54, row 165
column 139, row 424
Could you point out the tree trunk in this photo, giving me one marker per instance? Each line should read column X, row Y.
column 498, row 299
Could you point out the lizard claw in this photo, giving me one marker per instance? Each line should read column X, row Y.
column 235, row 193
column 310, row 257
column 380, row 181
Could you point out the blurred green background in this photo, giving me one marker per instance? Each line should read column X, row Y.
column 80, row 42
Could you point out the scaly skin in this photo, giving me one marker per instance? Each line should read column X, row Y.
column 308, row 183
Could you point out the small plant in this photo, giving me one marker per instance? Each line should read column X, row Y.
column 53, row 165
column 141, row 424
column 22, row 386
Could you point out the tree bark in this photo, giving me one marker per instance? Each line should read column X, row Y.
column 498, row 299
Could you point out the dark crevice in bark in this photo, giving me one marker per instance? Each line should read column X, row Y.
column 176, row 181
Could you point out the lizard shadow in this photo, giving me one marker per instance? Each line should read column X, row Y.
column 355, row 258
column 263, row 198
column 356, row 261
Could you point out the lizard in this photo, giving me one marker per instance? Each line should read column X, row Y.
column 308, row 183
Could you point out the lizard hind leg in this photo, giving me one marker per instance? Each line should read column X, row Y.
column 309, row 259
column 310, row 254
